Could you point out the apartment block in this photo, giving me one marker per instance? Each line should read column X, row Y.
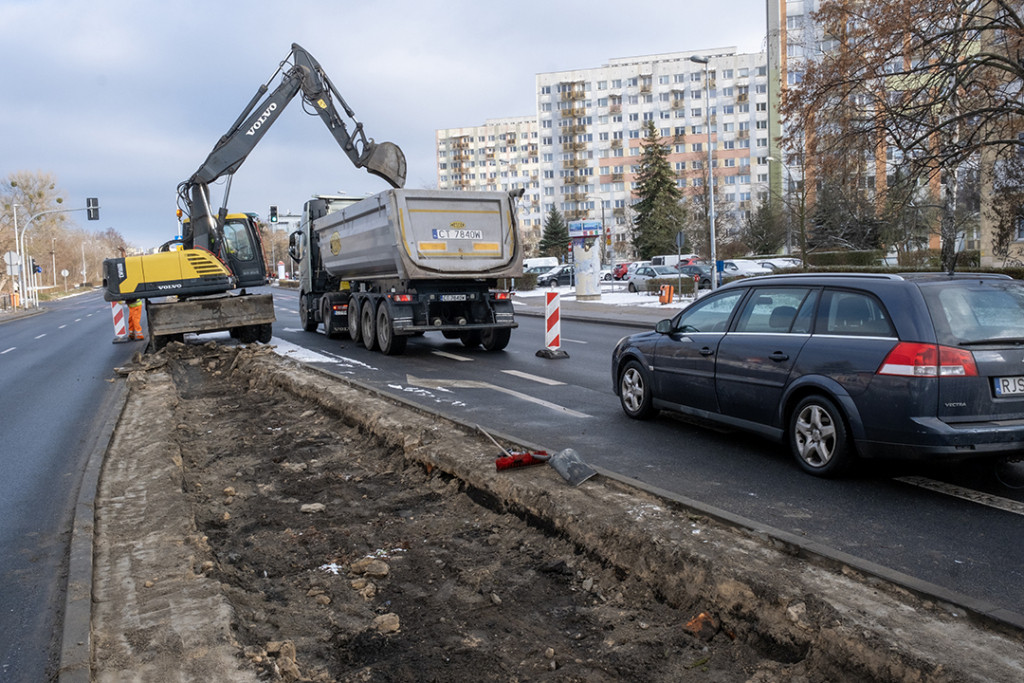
column 500, row 155
column 592, row 124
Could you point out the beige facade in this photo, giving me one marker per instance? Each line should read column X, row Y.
column 499, row 155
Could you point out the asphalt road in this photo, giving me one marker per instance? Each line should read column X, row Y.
column 957, row 527
column 53, row 372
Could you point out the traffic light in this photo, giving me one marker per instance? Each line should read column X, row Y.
column 36, row 268
column 273, row 214
column 92, row 208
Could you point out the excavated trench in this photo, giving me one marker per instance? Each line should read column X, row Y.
column 352, row 537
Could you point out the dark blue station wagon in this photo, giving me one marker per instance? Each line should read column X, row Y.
column 922, row 365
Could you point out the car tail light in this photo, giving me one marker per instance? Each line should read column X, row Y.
column 928, row 360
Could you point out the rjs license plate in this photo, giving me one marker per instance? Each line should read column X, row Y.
column 458, row 234
column 1009, row 386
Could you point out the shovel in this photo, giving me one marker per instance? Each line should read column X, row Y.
column 566, row 462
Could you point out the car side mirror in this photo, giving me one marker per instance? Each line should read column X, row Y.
column 664, row 327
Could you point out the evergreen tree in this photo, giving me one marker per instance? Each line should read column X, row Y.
column 555, row 239
column 659, row 213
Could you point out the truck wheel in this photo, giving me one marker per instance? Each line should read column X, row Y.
column 368, row 330
column 264, row 333
column 327, row 315
column 306, row 318
column 471, row 339
column 247, row 333
column 390, row 344
column 496, row 339
column 353, row 320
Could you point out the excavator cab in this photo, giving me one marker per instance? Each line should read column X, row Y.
column 242, row 250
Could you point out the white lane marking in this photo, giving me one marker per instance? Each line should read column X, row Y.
column 474, row 384
column 533, row 378
column 971, row 495
column 7, row 350
column 573, row 341
column 78, row 320
column 41, row 336
column 62, row 326
column 452, row 356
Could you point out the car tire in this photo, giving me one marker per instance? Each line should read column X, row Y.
column 818, row 437
column 635, row 391
column 632, row 287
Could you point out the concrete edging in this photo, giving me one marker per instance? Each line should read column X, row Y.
column 76, row 641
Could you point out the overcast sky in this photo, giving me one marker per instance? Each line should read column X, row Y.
column 124, row 99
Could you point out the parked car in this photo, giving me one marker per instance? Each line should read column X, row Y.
column 556, row 277
column 647, row 273
column 538, row 270
column 632, row 268
column 619, row 271
column 698, row 270
column 743, row 268
column 606, row 274
column 781, row 263
column 927, row 365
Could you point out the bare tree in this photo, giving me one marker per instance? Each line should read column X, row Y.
column 937, row 80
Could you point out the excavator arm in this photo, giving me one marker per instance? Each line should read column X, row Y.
column 301, row 74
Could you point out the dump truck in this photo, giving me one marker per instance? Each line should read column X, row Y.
column 406, row 262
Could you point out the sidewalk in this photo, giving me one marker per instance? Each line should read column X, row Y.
column 616, row 308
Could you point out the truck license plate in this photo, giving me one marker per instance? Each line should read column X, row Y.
column 1009, row 386
column 453, row 297
column 458, row 234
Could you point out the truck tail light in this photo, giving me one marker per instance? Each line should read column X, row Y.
column 502, row 296
column 908, row 359
column 401, row 298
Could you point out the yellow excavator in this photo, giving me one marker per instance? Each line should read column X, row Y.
column 222, row 252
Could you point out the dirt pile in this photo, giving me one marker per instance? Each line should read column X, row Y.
column 354, row 538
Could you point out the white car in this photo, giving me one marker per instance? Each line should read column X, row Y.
column 643, row 273
column 781, row 262
column 743, row 268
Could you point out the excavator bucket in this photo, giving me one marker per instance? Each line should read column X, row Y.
column 385, row 159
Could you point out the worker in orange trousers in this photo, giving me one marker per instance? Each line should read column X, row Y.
column 135, row 319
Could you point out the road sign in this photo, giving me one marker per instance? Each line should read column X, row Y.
column 12, row 258
column 584, row 228
column 64, row 273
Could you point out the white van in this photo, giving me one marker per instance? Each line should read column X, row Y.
column 548, row 261
column 670, row 259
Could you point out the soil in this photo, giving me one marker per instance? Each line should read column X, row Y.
column 357, row 539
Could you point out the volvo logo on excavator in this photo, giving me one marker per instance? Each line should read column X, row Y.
column 263, row 117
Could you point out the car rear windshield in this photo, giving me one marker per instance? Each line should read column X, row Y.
column 975, row 312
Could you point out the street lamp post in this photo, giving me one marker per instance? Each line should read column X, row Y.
column 711, row 176
column 19, row 244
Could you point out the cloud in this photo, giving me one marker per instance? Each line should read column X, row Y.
column 123, row 99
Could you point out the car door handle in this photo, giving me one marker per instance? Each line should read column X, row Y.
column 779, row 356
column 707, row 351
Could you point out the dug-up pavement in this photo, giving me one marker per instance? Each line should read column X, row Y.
column 260, row 520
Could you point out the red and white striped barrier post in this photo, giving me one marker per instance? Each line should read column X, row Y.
column 552, row 328
column 120, row 333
